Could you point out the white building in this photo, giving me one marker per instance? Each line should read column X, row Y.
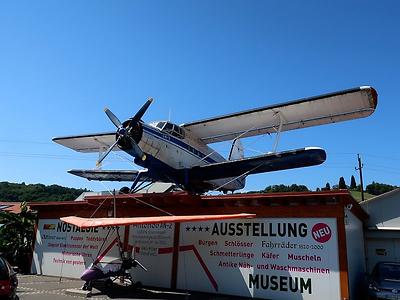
column 382, row 238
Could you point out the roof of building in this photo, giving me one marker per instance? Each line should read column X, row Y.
column 14, row 207
column 184, row 203
column 380, row 197
column 383, row 210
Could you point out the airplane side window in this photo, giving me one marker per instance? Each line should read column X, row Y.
column 168, row 127
column 174, row 130
column 181, row 132
column 178, row 132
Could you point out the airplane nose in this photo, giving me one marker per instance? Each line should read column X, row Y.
column 122, row 131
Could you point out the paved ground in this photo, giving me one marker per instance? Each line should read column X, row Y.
column 32, row 287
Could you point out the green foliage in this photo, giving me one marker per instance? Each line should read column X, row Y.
column 353, row 184
column 281, row 188
column 16, row 236
column 376, row 188
column 20, row 192
column 327, row 187
column 342, row 183
column 357, row 195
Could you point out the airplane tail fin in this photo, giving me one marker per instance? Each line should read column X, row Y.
column 236, row 153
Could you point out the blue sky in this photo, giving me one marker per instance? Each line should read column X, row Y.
column 62, row 62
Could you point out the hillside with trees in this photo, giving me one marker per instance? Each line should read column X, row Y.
column 281, row 188
column 376, row 188
column 21, row 192
column 371, row 190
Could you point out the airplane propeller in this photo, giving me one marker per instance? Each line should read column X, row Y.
column 124, row 131
column 113, row 117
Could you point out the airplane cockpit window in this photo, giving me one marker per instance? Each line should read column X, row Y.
column 172, row 129
column 160, row 124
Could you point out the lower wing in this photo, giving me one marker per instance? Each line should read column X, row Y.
column 276, row 161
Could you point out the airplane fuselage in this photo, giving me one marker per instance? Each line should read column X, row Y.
column 171, row 149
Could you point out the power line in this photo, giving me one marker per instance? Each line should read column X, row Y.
column 25, row 142
column 46, row 156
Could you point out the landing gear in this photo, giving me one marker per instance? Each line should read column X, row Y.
column 137, row 285
column 87, row 286
column 123, row 280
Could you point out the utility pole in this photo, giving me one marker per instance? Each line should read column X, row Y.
column 115, row 205
column 360, row 166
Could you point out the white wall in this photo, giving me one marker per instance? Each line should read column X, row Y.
column 355, row 255
column 382, row 245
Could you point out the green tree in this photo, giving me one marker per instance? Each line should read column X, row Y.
column 16, row 236
column 281, row 188
column 342, row 183
column 327, row 187
column 19, row 192
column 353, row 184
column 376, row 188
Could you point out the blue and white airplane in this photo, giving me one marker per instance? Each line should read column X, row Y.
column 180, row 153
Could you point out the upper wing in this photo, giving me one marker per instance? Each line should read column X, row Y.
column 298, row 158
column 98, row 222
column 88, row 143
column 329, row 108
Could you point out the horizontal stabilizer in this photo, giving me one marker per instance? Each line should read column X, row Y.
column 109, row 175
column 98, row 222
column 298, row 158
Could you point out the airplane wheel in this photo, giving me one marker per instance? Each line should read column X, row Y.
column 108, row 283
column 87, row 286
column 124, row 190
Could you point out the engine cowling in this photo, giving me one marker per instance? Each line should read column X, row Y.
column 135, row 132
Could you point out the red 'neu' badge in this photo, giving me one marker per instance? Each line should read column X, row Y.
column 321, row 232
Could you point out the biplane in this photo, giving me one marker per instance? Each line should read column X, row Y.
column 181, row 154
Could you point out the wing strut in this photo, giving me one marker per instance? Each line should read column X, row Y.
column 134, row 186
column 278, row 133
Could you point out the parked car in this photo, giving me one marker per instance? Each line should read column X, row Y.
column 8, row 280
column 384, row 282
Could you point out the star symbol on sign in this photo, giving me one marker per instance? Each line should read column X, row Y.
column 207, row 228
column 187, row 228
column 194, row 228
column 200, row 228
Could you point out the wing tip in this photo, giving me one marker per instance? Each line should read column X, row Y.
column 373, row 93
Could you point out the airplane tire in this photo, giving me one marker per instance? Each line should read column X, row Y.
column 87, row 286
column 108, row 283
column 124, row 190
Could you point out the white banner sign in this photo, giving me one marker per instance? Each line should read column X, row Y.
column 153, row 245
column 65, row 250
column 274, row 258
